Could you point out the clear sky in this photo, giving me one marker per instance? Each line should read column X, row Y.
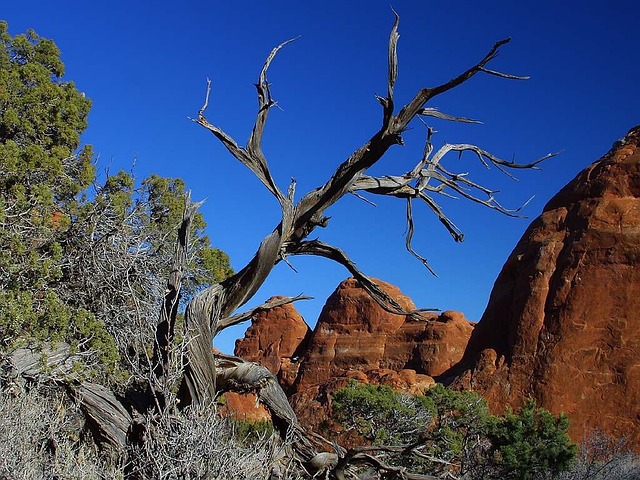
column 144, row 65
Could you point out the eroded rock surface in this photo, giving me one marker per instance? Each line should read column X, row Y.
column 354, row 338
column 243, row 406
column 563, row 321
column 354, row 333
column 276, row 339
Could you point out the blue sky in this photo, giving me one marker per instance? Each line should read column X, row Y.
column 144, row 65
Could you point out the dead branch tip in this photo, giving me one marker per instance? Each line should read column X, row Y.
column 206, row 100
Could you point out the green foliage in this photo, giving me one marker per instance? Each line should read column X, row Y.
column 215, row 264
column 164, row 199
column 248, row 432
column 457, row 429
column 42, row 118
column 530, row 442
column 378, row 413
column 99, row 340
column 83, row 261
column 457, row 433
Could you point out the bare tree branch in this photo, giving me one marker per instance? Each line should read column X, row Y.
column 416, row 183
column 236, row 374
column 213, row 309
column 169, row 310
column 409, row 237
column 254, row 146
column 504, row 75
column 108, row 418
column 241, row 317
column 434, row 112
column 392, row 75
column 320, row 249
column 203, row 311
column 251, row 156
column 410, row 110
column 362, row 455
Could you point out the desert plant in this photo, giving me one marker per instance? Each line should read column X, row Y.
column 446, row 432
column 531, row 442
column 42, row 436
column 602, row 457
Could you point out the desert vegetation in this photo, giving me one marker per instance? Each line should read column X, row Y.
column 111, row 294
column 445, row 433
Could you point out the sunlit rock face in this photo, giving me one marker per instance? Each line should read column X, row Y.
column 243, row 407
column 354, row 338
column 563, row 321
column 276, row 339
column 355, row 333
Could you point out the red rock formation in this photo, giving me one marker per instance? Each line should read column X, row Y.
column 243, row 407
column 354, row 339
column 563, row 321
column 312, row 403
column 355, row 333
column 357, row 339
column 275, row 339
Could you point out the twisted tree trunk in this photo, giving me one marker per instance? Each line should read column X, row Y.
column 206, row 373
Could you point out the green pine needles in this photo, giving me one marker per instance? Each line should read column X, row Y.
column 83, row 259
column 444, row 432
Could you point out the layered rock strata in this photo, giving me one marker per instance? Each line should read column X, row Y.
column 354, row 338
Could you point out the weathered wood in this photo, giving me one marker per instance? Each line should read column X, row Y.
column 212, row 310
column 236, row 374
column 44, row 362
column 241, row 317
column 108, row 420
column 199, row 383
column 169, row 310
column 106, row 416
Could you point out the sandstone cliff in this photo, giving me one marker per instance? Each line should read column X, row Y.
column 354, row 338
column 354, row 333
column 276, row 339
column 563, row 321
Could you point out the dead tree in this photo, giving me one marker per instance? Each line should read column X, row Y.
column 207, row 373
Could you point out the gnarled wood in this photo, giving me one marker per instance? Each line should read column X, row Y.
column 42, row 363
column 108, row 419
column 169, row 310
column 213, row 309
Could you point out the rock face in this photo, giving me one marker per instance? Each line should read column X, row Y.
column 357, row 339
column 354, row 338
column 276, row 339
column 563, row 321
column 244, row 407
column 354, row 333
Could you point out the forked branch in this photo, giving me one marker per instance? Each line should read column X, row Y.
column 252, row 155
column 169, row 310
column 213, row 309
column 430, row 176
